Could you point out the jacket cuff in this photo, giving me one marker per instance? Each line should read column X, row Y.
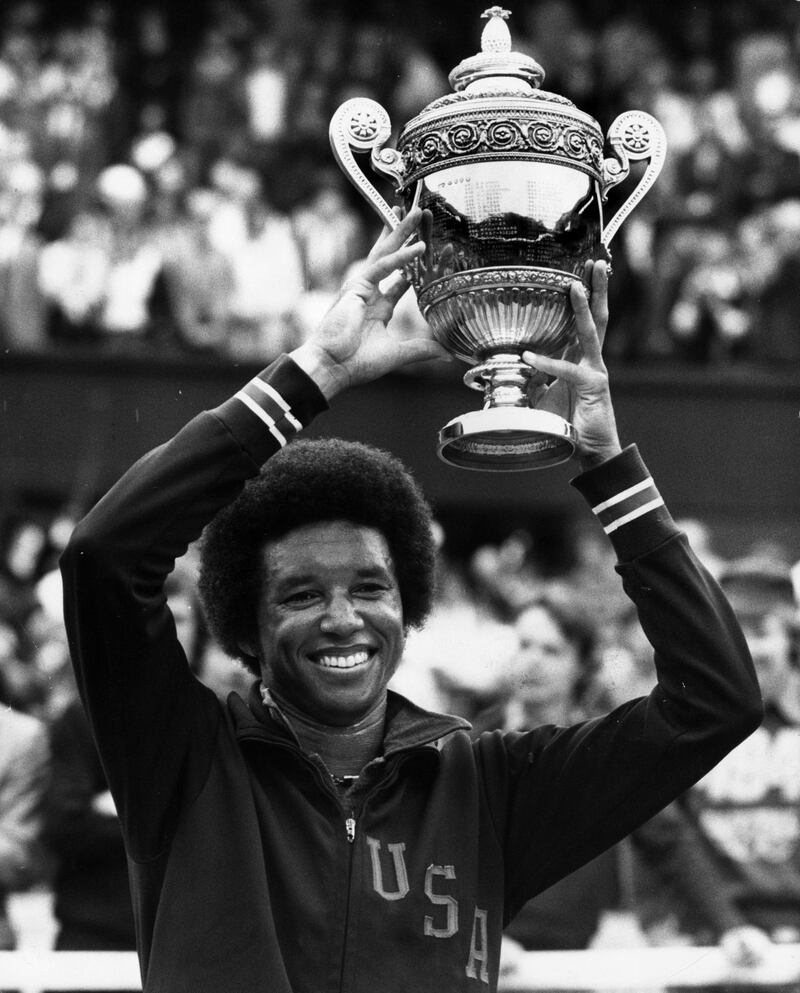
column 626, row 501
column 272, row 408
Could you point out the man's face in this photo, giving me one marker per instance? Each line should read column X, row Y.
column 330, row 620
column 769, row 642
column 546, row 666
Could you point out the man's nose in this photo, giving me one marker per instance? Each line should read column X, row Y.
column 341, row 616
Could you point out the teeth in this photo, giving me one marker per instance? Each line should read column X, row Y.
column 344, row 661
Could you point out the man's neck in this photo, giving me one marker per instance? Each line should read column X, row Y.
column 344, row 750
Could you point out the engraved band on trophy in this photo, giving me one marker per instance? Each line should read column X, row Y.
column 514, row 179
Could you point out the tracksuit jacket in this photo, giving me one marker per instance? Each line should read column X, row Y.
column 247, row 872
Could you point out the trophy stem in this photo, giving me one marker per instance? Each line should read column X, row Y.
column 508, row 434
column 504, row 379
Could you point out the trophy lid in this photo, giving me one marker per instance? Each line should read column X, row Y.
column 496, row 68
column 497, row 110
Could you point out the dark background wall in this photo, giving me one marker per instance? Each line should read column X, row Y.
column 722, row 442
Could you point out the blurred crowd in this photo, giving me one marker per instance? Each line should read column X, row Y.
column 168, row 186
column 519, row 637
column 153, row 205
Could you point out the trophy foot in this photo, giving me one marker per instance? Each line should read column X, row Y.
column 507, row 439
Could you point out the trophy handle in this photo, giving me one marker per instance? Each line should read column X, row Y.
column 633, row 135
column 362, row 124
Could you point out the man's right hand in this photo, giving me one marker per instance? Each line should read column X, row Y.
column 352, row 344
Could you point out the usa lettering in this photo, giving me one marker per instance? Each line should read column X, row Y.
column 390, row 881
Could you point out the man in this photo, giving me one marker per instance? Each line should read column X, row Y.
column 747, row 809
column 326, row 834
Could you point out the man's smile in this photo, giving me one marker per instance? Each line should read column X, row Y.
column 342, row 658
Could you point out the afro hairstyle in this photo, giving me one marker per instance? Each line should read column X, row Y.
column 306, row 482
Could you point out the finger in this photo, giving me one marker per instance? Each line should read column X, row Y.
column 570, row 372
column 385, row 231
column 426, row 225
column 599, row 304
column 394, row 287
column 584, row 323
column 376, row 269
column 391, row 240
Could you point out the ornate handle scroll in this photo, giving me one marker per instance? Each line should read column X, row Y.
column 633, row 135
column 362, row 124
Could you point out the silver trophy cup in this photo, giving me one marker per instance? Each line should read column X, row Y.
column 513, row 179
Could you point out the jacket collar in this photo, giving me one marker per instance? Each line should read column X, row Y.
column 408, row 726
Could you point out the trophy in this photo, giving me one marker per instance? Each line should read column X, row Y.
column 513, row 180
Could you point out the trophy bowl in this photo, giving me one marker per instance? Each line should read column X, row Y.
column 512, row 180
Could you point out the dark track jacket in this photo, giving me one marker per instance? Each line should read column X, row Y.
column 247, row 873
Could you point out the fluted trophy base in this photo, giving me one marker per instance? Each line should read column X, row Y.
column 507, row 439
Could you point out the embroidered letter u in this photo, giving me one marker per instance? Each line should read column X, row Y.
column 400, row 873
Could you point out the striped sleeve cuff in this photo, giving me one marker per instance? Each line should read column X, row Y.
column 272, row 408
column 626, row 502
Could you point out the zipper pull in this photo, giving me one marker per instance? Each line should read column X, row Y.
column 350, row 826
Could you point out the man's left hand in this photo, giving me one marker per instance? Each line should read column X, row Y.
column 580, row 392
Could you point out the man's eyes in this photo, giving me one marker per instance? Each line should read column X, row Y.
column 368, row 590
column 371, row 589
column 300, row 598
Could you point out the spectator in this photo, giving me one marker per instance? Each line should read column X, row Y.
column 747, row 809
column 329, row 232
column 267, row 278
column 213, row 109
column 553, row 678
column 105, row 279
column 266, row 87
column 78, row 91
column 131, row 301
column 24, row 761
column 73, row 270
column 22, row 306
column 92, row 902
column 92, row 898
column 199, row 278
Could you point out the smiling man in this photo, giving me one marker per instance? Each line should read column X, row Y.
column 325, row 835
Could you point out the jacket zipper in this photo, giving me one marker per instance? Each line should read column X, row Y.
column 350, row 827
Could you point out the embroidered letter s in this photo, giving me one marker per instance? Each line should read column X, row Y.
column 441, row 900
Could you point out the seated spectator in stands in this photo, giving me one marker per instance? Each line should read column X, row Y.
column 92, row 900
column 22, row 307
column 267, row 93
column 73, row 271
column 267, row 278
column 23, row 553
column 24, row 761
column 331, row 238
column 770, row 246
column 23, row 684
column 747, row 809
column 213, row 109
column 199, row 278
column 105, row 280
column 552, row 678
column 329, row 232
column 20, row 78
column 92, row 903
column 712, row 314
column 130, row 306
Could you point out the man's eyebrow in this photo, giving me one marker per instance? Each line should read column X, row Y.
column 286, row 580
column 283, row 581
